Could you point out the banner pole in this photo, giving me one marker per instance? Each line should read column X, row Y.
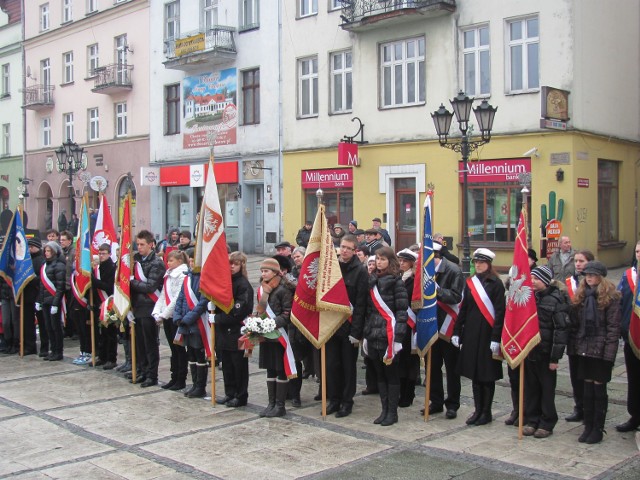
column 521, row 401
column 323, row 381
column 132, row 335
column 93, row 328
column 213, row 362
column 427, row 389
column 21, row 300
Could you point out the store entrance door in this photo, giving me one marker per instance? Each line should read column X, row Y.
column 405, row 212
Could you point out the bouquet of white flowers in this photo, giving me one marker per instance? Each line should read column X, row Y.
column 256, row 329
column 108, row 313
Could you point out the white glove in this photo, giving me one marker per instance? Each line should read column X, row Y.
column 54, row 310
column 212, row 319
column 396, row 347
column 211, row 306
column 38, row 307
column 365, row 347
column 353, row 340
column 455, row 341
column 131, row 277
column 495, row 348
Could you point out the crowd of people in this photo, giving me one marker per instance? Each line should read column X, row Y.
column 580, row 313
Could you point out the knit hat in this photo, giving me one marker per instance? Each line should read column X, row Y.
column 337, row 225
column 354, row 223
column 595, row 267
column 34, row 242
column 407, row 254
column 270, row 264
column 484, row 254
column 543, row 274
column 55, row 248
column 531, row 253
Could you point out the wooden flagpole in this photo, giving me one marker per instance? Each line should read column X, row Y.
column 427, row 388
column 93, row 328
column 134, row 370
column 521, row 401
column 213, row 361
column 323, row 380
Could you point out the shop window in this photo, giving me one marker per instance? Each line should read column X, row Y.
column 338, row 206
column 493, row 212
column 607, row 201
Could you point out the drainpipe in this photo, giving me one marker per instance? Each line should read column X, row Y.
column 280, row 123
column 24, row 110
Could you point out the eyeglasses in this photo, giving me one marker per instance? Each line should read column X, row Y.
column 344, row 247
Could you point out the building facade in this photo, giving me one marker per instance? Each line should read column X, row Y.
column 558, row 130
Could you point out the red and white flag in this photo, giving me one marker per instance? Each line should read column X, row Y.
column 521, row 331
column 211, row 257
column 122, row 290
column 105, row 231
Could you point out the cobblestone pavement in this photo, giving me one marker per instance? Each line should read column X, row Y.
column 58, row 420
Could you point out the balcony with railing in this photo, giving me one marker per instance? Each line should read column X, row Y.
column 362, row 15
column 193, row 50
column 38, row 97
column 111, row 79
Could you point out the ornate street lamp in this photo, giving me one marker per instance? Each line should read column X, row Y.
column 485, row 114
column 70, row 161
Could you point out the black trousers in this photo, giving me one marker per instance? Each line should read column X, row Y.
column 80, row 316
column 108, row 343
column 389, row 374
column 148, row 346
column 235, row 373
column 29, row 327
column 54, row 329
column 443, row 353
column 42, row 330
column 539, row 395
column 11, row 322
column 577, row 385
column 341, row 358
column 179, row 367
column 633, row 382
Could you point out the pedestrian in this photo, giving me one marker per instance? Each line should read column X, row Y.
column 302, row 238
column 298, row 257
column 561, row 262
column 477, row 333
column 337, row 234
column 597, row 308
column 177, row 269
column 362, row 253
column 62, row 221
column 31, row 316
column 235, row 365
column 102, row 281
column 72, row 226
column 385, row 328
column 541, row 364
column 285, row 249
column 185, row 242
column 52, row 235
column 377, row 224
column 628, row 286
column 51, row 298
column 373, row 240
column 352, row 227
column 444, row 250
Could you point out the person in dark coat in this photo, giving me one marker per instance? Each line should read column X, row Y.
column 541, row 363
column 597, row 308
column 478, row 339
column 409, row 362
column 51, row 297
column 235, row 366
column 102, row 281
column 302, row 238
column 342, row 348
column 444, row 250
column 336, row 234
column 31, row 293
column 627, row 287
column 382, row 343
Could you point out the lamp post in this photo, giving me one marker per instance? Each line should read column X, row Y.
column 485, row 113
column 70, row 161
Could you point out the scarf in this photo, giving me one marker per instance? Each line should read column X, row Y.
column 267, row 288
column 590, row 311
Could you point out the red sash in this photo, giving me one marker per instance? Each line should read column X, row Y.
column 446, row 331
column 387, row 314
column 634, row 321
column 139, row 275
column 572, row 286
column 48, row 284
column 482, row 300
column 203, row 321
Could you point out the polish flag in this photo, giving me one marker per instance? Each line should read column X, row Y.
column 122, row 290
column 105, row 232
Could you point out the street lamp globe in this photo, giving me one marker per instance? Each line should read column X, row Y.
column 442, row 121
column 461, row 105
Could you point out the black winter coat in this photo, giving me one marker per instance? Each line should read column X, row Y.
column 55, row 271
column 356, row 279
column 394, row 295
column 302, row 239
column 271, row 352
column 476, row 361
column 32, row 290
column 106, row 280
column 554, row 322
column 185, row 318
column 626, row 304
column 228, row 324
column 154, row 269
column 450, row 282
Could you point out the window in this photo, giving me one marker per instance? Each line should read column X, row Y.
column 92, row 6
column 477, row 68
column 403, row 75
column 523, row 55
column 335, row 4
column 210, row 14
column 93, row 59
column 44, row 17
column 93, row 120
column 67, row 11
column 338, row 204
column 341, row 85
column 45, row 75
column 121, row 119
column 6, row 80
column 249, row 14
column 308, row 87
column 308, row 7
column 171, row 20
column 172, row 109
column 67, row 61
column 6, row 139
column 251, row 97
column 607, row 201
column 46, row 131
column 67, row 119
column 493, row 212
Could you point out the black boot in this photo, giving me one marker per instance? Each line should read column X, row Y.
column 407, row 392
column 384, row 400
column 477, row 400
column 194, row 375
column 600, row 404
column 200, row 390
column 487, row 390
column 587, row 411
column 295, row 385
column 282, row 387
column 126, row 366
column 513, row 418
column 392, row 406
column 173, row 369
column 271, row 392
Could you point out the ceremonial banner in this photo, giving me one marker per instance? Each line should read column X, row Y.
column 521, row 332
column 211, row 257
column 15, row 260
column 320, row 304
column 634, row 322
column 82, row 264
column 105, row 231
column 427, row 321
column 122, row 288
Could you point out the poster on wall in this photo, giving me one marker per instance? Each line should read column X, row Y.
column 209, row 106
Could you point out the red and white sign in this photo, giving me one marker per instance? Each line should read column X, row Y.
column 554, row 228
column 348, row 154
column 583, row 182
column 501, row 171
column 195, row 175
column 333, row 178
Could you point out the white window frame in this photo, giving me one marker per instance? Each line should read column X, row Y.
column 93, row 59
column 249, row 14
column 67, row 120
column 44, row 17
column 93, row 124
column 523, row 43
column 121, row 127
column 210, row 14
column 172, row 19
column 46, row 131
column 6, row 80
column 67, row 70
column 340, row 75
column 92, row 6
column 307, row 8
column 310, row 80
column 67, row 11
column 335, row 5
column 474, row 54
column 6, row 139
column 406, row 63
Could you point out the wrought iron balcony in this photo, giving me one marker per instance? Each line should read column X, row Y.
column 199, row 48
column 361, row 15
column 114, row 78
column 38, row 97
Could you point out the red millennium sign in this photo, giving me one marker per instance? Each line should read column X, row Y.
column 333, row 178
column 503, row 171
column 348, row 154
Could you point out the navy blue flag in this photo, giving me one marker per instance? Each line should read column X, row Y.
column 15, row 260
column 427, row 321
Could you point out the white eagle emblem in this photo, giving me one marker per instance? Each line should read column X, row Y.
column 311, row 276
column 124, row 259
column 518, row 294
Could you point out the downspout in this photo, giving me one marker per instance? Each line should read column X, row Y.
column 280, row 124
column 24, row 110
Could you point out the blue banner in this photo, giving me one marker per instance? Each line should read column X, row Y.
column 15, row 260
column 427, row 321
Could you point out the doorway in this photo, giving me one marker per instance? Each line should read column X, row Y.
column 406, row 215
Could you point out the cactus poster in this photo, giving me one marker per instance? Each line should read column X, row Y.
column 551, row 225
